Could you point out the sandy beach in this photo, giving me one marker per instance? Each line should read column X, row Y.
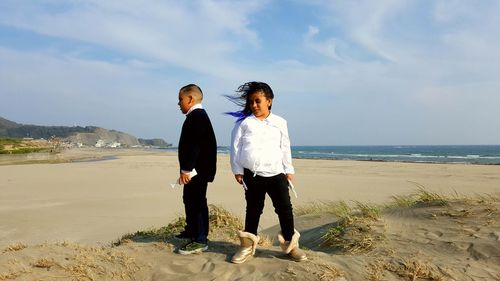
column 59, row 211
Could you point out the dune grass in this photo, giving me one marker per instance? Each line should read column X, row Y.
column 15, row 247
column 80, row 262
column 360, row 227
column 353, row 233
column 422, row 197
column 414, row 269
column 9, row 276
column 340, row 209
column 328, row 272
column 223, row 224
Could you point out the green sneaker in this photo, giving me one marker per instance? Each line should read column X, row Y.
column 193, row 248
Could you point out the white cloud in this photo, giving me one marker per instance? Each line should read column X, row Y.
column 363, row 22
column 326, row 48
column 194, row 35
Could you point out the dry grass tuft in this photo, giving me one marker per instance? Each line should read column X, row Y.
column 91, row 263
column 265, row 240
column 369, row 211
column 80, row 263
column 9, row 276
column 328, row 272
column 376, row 271
column 15, row 247
column 355, row 235
column 340, row 209
column 154, row 234
column 222, row 223
column 422, row 197
column 44, row 263
column 221, row 218
column 414, row 269
column 357, row 230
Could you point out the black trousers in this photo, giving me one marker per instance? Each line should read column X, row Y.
column 194, row 196
column 277, row 188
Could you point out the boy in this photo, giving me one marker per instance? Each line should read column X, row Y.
column 197, row 151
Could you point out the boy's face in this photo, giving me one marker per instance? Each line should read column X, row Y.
column 185, row 102
column 259, row 105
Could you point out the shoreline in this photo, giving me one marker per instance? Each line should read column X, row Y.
column 101, row 154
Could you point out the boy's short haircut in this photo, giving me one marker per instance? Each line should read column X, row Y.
column 192, row 89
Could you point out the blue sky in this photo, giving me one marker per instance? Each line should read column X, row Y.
column 343, row 72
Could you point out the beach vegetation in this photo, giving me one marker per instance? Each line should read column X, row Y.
column 223, row 224
column 366, row 210
column 421, row 198
column 44, row 263
column 15, row 247
column 357, row 229
column 163, row 233
column 267, row 241
column 219, row 217
column 338, row 208
column 20, row 146
column 328, row 272
column 415, row 269
column 9, row 276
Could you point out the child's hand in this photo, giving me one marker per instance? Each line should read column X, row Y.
column 184, row 178
column 289, row 177
column 239, row 178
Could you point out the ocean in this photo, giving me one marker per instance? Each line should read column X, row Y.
column 460, row 154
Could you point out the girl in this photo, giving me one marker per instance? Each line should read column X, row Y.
column 261, row 161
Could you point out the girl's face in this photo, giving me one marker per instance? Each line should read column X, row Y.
column 259, row 105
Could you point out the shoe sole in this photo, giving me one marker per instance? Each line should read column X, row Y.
column 193, row 251
column 298, row 260
column 242, row 261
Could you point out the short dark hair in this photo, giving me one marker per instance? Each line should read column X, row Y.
column 190, row 88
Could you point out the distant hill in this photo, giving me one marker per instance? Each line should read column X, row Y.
column 88, row 136
column 5, row 124
column 155, row 143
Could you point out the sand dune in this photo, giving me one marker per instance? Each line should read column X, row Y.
column 57, row 222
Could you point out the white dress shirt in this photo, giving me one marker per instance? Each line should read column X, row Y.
column 261, row 146
column 196, row 106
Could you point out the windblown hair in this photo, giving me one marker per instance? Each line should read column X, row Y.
column 243, row 94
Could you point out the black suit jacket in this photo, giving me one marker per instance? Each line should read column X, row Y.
column 198, row 146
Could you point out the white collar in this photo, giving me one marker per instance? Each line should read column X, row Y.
column 267, row 119
column 196, row 106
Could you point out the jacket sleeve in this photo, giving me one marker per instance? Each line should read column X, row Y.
column 190, row 143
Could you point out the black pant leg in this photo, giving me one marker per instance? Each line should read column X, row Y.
column 278, row 191
column 255, row 196
column 196, row 208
